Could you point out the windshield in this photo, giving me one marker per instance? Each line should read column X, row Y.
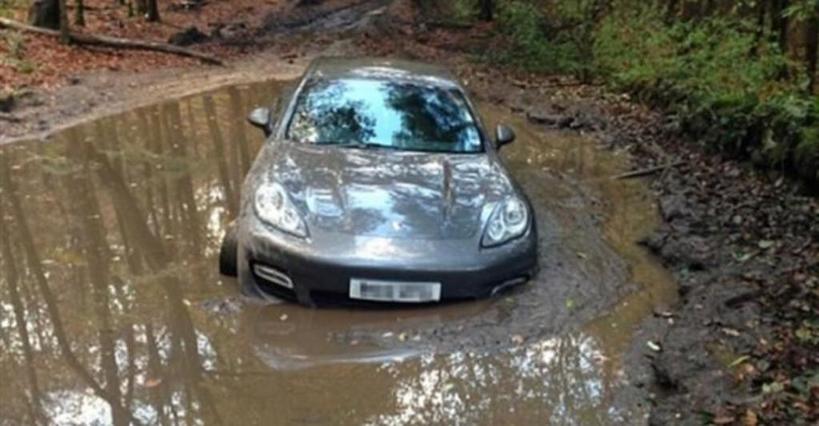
column 381, row 113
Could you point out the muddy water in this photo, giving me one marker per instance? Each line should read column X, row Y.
column 111, row 309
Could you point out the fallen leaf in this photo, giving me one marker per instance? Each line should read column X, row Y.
column 723, row 420
column 773, row 387
column 153, row 382
column 730, row 331
column 738, row 361
column 749, row 419
column 744, row 257
column 801, row 406
column 663, row 314
column 765, row 244
column 744, row 371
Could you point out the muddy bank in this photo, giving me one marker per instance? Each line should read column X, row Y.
column 39, row 113
column 745, row 250
column 744, row 247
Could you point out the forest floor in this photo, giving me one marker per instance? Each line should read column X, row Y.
column 741, row 346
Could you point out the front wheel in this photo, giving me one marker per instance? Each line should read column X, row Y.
column 228, row 253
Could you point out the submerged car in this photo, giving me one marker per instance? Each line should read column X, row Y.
column 378, row 183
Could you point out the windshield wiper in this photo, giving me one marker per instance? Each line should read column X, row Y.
column 366, row 145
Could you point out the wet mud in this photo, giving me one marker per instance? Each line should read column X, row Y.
column 314, row 16
column 112, row 310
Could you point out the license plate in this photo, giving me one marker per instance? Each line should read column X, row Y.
column 395, row 291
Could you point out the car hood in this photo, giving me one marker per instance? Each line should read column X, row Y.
column 388, row 193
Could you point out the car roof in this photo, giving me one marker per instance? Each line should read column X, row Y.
column 337, row 68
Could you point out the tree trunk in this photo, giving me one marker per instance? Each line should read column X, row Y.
column 65, row 36
column 141, row 7
column 671, row 10
column 779, row 22
column 79, row 14
column 761, row 12
column 487, row 10
column 152, row 14
column 811, row 44
column 45, row 14
column 709, row 8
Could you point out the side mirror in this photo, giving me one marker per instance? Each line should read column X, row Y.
column 260, row 117
column 504, row 135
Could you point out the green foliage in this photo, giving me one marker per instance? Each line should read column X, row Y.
column 532, row 48
column 5, row 10
column 725, row 86
column 728, row 85
column 7, row 7
column 802, row 9
column 463, row 10
column 807, row 153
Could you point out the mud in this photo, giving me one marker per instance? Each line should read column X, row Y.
column 113, row 309
column 322, row 17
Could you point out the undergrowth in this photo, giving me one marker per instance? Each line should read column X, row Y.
column 728, row 88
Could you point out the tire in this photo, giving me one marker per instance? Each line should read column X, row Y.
column 229, row 252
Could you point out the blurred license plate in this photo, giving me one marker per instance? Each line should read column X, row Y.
column 395, row 291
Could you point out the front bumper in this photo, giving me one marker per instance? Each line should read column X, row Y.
column 322, row 280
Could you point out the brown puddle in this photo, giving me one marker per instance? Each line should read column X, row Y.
column 112, row 311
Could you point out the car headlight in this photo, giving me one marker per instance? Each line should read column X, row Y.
column 509, row 220
column 274, row 207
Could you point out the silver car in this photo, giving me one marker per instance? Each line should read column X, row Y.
column 378, row 183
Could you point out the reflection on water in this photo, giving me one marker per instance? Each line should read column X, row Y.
column 558, row 380
column 111, row 310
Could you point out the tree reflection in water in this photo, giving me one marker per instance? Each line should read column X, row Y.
column 96, row 293
column 557, row 381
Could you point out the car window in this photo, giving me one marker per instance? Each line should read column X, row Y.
column 384, row 114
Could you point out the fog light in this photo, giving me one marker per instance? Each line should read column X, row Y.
column 273, row 275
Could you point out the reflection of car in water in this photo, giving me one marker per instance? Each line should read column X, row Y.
column 285, row 338
column 378, row 183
